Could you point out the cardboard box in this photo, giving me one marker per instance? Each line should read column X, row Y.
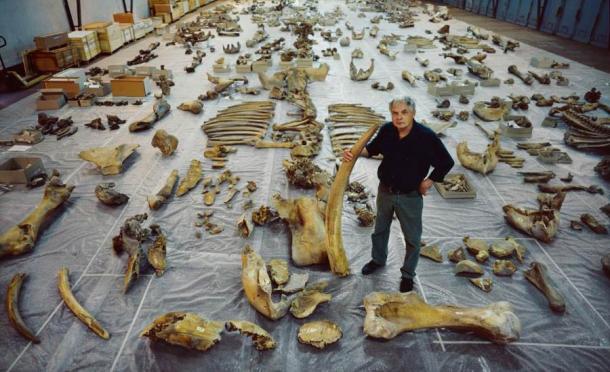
column 128, row 33
column 51, row 41
column 50, row 99
column 20, row 170
column 70, row 87
column 242, row 69
column 123, row 17
column 131, row 86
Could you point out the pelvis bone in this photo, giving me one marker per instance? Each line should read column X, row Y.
column 360, row 74
column 389, row 314
column 22, row 237
column 257, row 286
column 109, row 160
column 479, row 162
column 305, row 218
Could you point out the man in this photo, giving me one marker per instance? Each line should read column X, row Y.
column 409, row 149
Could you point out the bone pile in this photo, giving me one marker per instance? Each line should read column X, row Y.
column 585, row 132
column 242, row 124
column 347, row 123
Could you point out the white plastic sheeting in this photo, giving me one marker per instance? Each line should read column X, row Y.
column 204, row 274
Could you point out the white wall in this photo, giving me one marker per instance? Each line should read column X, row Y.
column 22, row 20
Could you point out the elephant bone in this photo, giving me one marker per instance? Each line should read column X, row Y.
column 389, row 314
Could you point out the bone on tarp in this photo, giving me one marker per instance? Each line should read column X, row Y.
column 193, row 176
column 257, row 286
column 585, row 133
column 109, row 160
column 239, row 124
column 165, row 142
column 63, row 284
column 157, row 200
column 106, row 194
column 22, row 237
column 389, row 314
column 541, row 224
column 480, row 162
column 160, row 109
column 537, row 275
column 187, row 330
column 305, row 217
column 261, row 339
column 360, row 74
column 12, row 308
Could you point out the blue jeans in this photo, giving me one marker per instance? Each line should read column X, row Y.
column 408, row 208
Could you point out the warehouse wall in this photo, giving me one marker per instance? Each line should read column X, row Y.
column 21, row 20
column 586, row 21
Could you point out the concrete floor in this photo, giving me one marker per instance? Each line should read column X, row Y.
column 589, row 55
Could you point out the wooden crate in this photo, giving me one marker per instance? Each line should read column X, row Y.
column 110, row 35
column 50, row 41
column 123, row 17
column 53, row 60
column 175, row 12
column 131, row 86
column 127, row 30
column 194, row 4
column 142, row 28
column 86, row 43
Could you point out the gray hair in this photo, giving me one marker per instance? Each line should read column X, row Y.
column 410, row 102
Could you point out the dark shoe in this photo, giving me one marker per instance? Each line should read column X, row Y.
column 370, row 267
column 406, row 285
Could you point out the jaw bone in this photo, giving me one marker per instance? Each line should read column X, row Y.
column 389, row 314
column 257, row 286
column 21, row 238
column 109, row 160
column 336, row 253
column 479, row 162
column 306, row 221
column 541, row 224
column 360, row 74
column 184, row 329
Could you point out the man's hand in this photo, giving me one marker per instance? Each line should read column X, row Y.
column 424, row 186
column 347, row 155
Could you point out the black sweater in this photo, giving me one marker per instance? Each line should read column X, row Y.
column 407, row 161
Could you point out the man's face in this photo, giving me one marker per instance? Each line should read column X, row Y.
column 402, row 116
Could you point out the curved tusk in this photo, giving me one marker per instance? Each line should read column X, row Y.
column 336, row 253
column 12, row 308
column 83, row 315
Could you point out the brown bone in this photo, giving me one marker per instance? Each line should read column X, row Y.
column 12, row 308
column 537, row 275
column 22, row 237
column 389, row 314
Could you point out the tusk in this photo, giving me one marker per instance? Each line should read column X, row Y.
column 83, row 315
column 12, row 308
column 336, row 253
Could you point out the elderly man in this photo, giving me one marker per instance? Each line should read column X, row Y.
column 409, row 149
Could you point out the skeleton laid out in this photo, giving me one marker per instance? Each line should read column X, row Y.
column 22, row 237
column 389, row 314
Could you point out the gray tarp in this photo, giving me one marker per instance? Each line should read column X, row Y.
column 204, row 274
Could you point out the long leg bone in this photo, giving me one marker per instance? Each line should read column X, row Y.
column 22, row 237
column 155, row 201
column 12, row 308
column 83, row 315
column 389, row 314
